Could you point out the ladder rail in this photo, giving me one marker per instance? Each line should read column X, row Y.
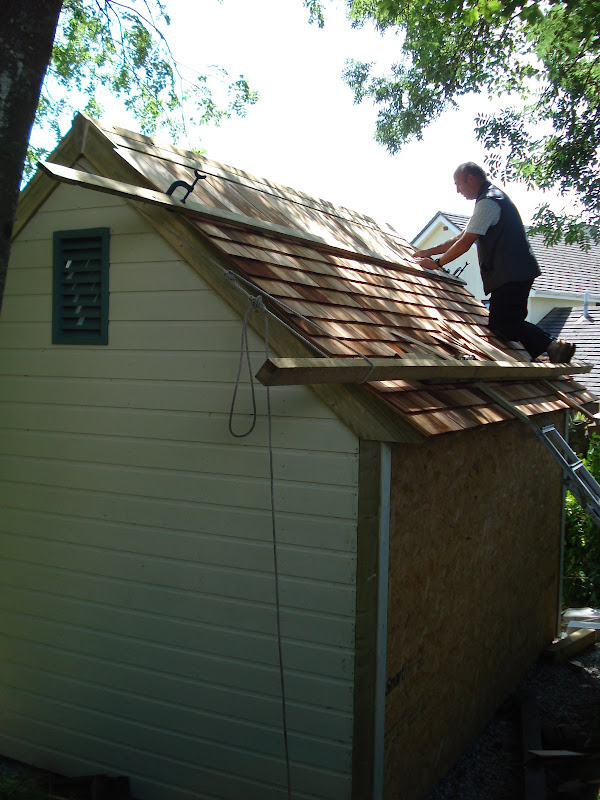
column 577, row 464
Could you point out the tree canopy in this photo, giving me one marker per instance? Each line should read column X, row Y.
column 542, row 56
column 109, row 50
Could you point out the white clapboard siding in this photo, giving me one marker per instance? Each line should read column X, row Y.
column 157, row 395
column 205, row 426
column 153, row 395
column 137, row 614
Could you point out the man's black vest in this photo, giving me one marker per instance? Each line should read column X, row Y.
column 504, row 252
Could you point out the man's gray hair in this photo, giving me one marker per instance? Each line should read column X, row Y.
column 471, row 168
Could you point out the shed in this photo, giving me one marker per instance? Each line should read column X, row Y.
column 395, row 538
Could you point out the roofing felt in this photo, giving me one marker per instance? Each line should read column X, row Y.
column 565, row 267
column 354, row 282
column 582, row 329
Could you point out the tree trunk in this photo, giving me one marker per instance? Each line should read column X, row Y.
column 26, row 38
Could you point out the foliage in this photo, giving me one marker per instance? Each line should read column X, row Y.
column 18, row 788
column 582, row 545
column 106, row 49
column 543, row 54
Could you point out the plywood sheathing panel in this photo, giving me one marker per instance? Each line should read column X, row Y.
column 356, row 280
column 466, row 617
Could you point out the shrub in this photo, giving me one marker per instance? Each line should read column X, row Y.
column 581, row 585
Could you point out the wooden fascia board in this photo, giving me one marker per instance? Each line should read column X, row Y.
column 310, row 371
column 426, row 231
column 572, row 403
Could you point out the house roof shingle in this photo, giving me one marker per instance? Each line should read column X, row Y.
column 583, row 329
column 356, row 280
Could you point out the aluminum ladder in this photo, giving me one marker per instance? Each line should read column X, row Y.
column 578, row 479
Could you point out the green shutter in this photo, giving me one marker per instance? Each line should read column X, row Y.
column 80, row 286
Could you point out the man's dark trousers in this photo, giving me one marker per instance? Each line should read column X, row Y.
column 508, row 309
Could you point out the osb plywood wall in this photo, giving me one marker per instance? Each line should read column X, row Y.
column 474, row 563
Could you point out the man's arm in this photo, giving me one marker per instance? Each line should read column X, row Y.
column 450, row 250
column 437, row 249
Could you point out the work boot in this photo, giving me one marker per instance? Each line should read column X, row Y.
column 560, row 352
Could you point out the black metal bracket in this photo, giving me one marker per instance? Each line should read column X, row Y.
column 189, row 186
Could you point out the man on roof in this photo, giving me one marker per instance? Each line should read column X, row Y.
column 507, row 265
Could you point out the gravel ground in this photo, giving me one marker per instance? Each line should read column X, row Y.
column 568, row 700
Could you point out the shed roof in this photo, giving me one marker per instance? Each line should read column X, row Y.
column 354, row 279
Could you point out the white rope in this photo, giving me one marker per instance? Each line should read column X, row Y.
column 255, row 303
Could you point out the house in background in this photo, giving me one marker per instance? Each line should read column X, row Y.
column 138, row 608
column 568, row 272
column 581, row 325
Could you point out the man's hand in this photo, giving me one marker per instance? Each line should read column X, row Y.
column 427, row 262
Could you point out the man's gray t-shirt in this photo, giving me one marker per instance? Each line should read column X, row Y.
column 486, row 214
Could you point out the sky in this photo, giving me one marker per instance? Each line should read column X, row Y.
column 305, row 131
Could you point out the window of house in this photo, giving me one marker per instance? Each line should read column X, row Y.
column 80, row 286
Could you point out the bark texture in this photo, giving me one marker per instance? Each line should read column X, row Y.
column 26, row 38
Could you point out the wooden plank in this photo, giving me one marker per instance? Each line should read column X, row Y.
column 483, row 345
column 128, row 142
column 571, row 402
column 292, row 371
column 576, row 642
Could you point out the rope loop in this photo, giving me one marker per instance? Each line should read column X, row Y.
column 244, row 348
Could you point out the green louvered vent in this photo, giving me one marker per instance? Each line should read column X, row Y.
column 80, row 296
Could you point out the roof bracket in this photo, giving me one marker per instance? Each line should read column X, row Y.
column 200, row 176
